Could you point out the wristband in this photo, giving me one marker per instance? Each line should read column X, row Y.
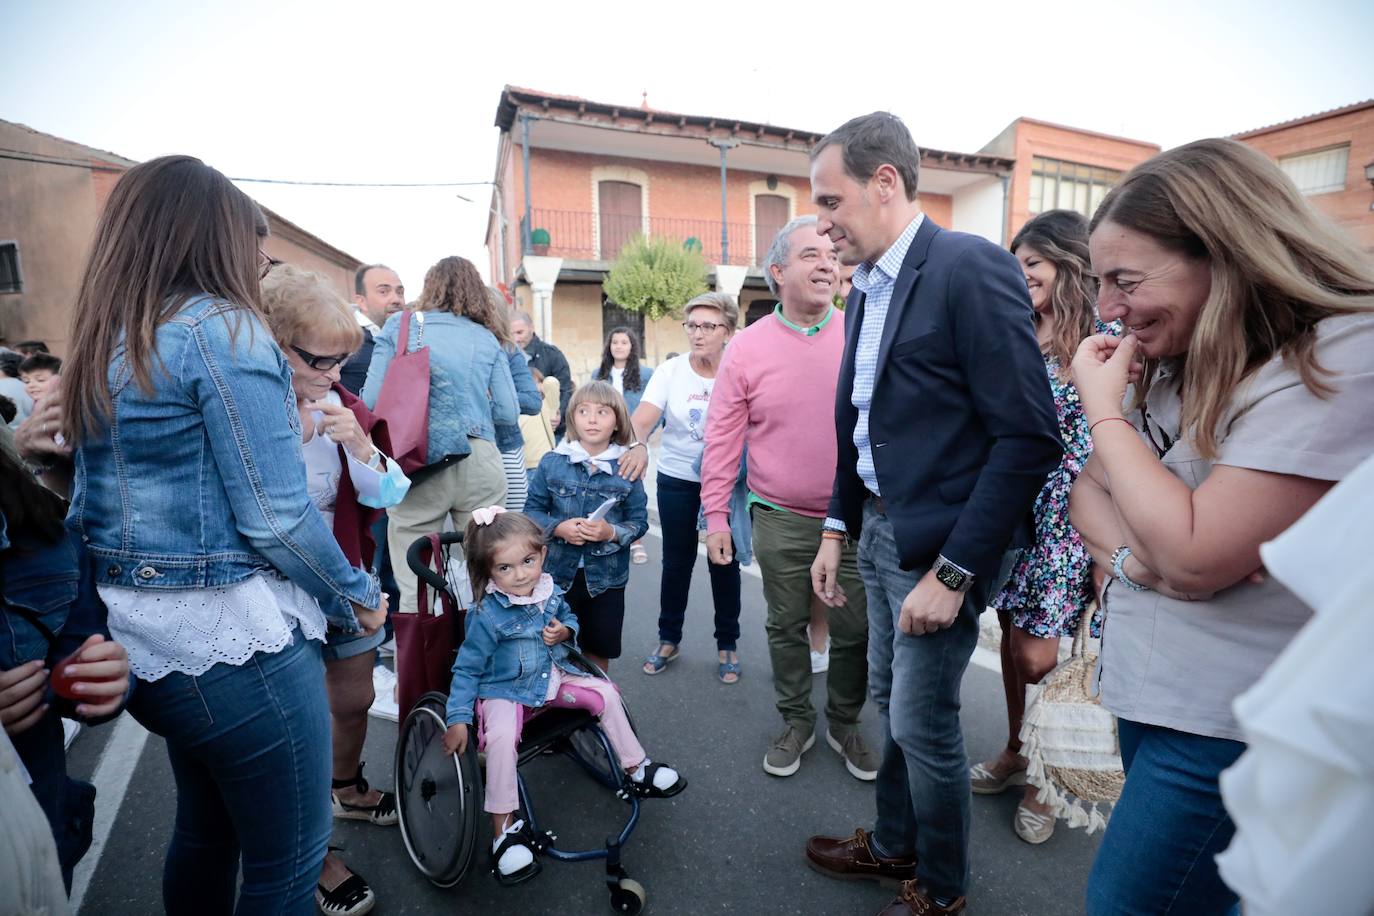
column 832, row 535
column 1107, row 420
column 1119, row 569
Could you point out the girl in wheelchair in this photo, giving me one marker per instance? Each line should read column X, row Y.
column 515, row 656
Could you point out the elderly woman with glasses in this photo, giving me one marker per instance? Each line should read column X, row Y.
column 350, row 481
column 679, row 393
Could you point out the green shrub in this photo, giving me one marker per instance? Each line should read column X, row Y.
column 655, row 276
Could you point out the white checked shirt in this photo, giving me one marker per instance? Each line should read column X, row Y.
column 875, row 280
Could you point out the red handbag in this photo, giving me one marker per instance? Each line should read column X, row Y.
column 427, row 642
column 403, row 401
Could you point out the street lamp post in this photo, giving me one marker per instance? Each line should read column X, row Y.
column 723, row 144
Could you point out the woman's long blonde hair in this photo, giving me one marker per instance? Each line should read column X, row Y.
column 1278, row 268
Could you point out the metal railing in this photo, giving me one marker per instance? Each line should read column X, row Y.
column 580, row 235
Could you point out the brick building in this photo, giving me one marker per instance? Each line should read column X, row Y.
column 576, row 179
column 1330, row 157
column 51, row 193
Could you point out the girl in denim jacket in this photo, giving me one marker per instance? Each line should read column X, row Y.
column 591, row 515
column 516, row 655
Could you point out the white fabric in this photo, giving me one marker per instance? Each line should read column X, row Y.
column 683, row 396
column 1302, row 795
column 618, row 379
column 191, row 630
column 13, row 389
column 323, row 469
column 543, row 591
column 30, row 876
column 577, row 454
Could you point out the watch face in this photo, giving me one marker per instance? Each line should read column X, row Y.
column 950, row 577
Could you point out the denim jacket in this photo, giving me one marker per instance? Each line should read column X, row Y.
column 741, row 522
column 48, row 605
column 503, row 656
column 200, row 482
column 470, row 384
column 560, row 490
column 527, row 398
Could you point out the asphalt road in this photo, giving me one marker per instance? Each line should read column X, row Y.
column 732, row 843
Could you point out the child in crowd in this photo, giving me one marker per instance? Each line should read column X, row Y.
column 591, row 515
column 520, row 616
column 37, row 372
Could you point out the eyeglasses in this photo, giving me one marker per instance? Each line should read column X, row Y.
column 705, row 327
column 265, row 264
column 320, row 363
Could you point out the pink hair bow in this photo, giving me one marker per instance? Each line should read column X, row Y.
column 488, row 515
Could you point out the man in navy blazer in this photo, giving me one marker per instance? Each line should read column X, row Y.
column 947, row 431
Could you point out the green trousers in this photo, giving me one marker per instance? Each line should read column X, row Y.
column 785, row 545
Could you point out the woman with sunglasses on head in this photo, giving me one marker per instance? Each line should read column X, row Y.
column 1253, row 317
column 350, row 480
column 218, row 572
column 679, row 394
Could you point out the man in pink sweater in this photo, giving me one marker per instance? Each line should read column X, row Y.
column 775, row 393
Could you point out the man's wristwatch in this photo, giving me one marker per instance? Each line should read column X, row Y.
column 953, row 577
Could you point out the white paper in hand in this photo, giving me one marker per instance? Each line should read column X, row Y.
column 602, row 509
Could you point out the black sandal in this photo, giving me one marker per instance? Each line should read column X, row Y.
column 645, row 788
column 383, row 814
column 352, row 897
column 520, row 837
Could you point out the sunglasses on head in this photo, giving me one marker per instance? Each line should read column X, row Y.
column 320, row 363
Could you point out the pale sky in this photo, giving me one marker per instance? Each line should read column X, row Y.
column 407, row 91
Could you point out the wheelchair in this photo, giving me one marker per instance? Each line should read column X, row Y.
column 439, row 798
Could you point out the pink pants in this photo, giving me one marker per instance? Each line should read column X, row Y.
column 501, row 732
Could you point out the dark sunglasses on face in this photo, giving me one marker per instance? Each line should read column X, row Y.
column 320, row 363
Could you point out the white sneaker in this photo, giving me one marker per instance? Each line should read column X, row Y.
column 820, row 661
column 516, row 857
column 384, row 684
column 70, row 730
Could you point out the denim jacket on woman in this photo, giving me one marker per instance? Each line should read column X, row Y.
column 527, row 398
column 560, row 490
column 470, row 384
column 503, row 656
column 200, row 482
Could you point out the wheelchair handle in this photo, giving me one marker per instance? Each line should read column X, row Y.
column 422, row 567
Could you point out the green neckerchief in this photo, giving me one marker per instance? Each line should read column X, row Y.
column 809, row 332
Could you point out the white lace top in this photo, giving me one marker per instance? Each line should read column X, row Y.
column 190, row 630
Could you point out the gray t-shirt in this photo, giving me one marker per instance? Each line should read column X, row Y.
column 1180, row 664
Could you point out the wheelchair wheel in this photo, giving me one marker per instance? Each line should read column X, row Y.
column 438, row 797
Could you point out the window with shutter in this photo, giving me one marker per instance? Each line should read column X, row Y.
column 1319, row 172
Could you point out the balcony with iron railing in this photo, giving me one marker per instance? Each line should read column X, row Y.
column 586, row 236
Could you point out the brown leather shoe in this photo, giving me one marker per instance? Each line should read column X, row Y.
column 852, row 859
column 914, row 901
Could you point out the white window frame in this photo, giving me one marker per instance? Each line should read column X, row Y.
column 624, row 173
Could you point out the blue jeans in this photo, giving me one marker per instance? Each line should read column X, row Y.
column 679, row 502
column 923, row 783
column 250, row 752
column 1158, row 854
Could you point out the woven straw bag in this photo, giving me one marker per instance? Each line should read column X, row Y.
column 1070, row 741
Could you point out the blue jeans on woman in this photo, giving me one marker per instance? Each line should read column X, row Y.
column 250, row 752
column 679, row 502
column 1158, row 855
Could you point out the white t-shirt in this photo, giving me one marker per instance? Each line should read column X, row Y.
column 618, row 379
column 683, row 396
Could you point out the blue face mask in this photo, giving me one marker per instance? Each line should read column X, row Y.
column 392, row 485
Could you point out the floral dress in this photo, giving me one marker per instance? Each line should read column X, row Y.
column 1050, row 584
